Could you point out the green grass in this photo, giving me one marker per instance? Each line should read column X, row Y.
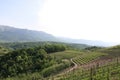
column 68, row 54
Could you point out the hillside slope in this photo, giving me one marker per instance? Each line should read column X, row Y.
column 10, row 34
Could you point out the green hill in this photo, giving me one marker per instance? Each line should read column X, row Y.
column 112, row 51
column 21, row 45
column 11, row 34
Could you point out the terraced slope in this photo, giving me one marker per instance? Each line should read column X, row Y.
column 86, row 58
column 107, row 71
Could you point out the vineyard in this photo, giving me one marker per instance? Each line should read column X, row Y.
column 102, row 64
column 107, row 70
column 68, row 54
column 88, row 57
column 81, row 60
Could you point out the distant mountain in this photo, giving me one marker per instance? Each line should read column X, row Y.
column 11, row 34
column 88, row 42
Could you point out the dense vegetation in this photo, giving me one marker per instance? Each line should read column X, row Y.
column 22, row 45
column 58, row 61
column 3, row 50
column 32, row 60
column 93, row 48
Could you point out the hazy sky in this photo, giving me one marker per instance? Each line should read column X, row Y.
column 81, row 19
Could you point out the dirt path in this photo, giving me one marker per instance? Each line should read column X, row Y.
column 98, row 62
column 58, row 76
column 72, row 68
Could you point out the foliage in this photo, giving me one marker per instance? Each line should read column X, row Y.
column 48, row 59
column 110, row 71
column 23, row 45
column 93, row 48
column 28, row 60
column 3, row 50
column 55, row 69
column 112, row 51
column 87, row 57
column 67, row 54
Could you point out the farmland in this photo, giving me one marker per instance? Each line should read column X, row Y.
column 108, row 71
column 60, row 62
column 102, row 65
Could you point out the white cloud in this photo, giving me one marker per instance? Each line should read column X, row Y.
column 88, row 19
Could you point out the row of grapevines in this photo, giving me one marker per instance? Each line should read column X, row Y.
column 85, row 58
column 111, row 71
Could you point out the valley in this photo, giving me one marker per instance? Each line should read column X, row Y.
column 59, row 40
column 60, row 61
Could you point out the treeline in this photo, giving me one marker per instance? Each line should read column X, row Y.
column 93, row 48
column 23, row 45
column 50, row 48
column 29, row 60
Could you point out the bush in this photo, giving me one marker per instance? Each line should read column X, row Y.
column 55, row 69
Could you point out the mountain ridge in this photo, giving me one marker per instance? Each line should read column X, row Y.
column 88, row 42
column 12, row 34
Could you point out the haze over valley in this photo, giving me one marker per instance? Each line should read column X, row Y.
column 88, row 20
column 59, row 40
column 11, row 34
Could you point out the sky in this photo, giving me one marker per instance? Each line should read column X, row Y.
column 77, row 19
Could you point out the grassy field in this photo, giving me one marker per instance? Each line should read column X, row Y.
column 68, row 54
